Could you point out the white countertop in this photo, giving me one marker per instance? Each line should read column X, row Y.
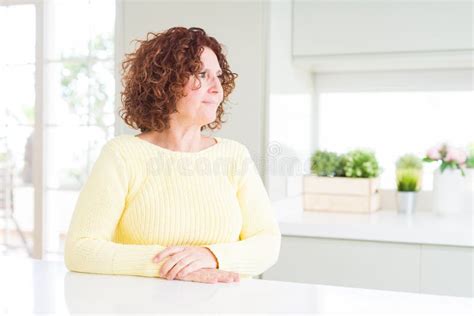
column 30, row 286
column 384, row 225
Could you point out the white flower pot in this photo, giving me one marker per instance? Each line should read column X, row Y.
column 469, row 190
column 450, row 191
column 406, row 202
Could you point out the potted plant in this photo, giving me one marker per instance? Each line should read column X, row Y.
column 409, row 170
column 449, row 186
column 324, row 163
column 470, row 178
column 470, row 158
column 360, row 163
column 347, row 182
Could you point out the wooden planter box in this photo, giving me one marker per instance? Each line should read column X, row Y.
column 341, row 194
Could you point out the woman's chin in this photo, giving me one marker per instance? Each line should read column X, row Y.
column 208, row 118
column 208, row 121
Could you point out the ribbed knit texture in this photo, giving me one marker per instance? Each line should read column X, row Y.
column 141, row 198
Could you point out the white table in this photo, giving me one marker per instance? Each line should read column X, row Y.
column 31, row 286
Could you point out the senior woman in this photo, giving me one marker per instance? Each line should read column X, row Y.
column 171, row 202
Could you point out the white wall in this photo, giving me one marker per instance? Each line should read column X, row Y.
column 241, row 26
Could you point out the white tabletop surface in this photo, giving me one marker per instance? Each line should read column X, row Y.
column 31, row 286
column 383, row 225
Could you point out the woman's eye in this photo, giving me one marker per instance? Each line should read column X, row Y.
column 202, row 75
column 221, row 78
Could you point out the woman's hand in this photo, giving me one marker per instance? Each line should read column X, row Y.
column 211, row 276
column 184, row 260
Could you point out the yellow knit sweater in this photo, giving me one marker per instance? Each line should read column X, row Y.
column 141, row 198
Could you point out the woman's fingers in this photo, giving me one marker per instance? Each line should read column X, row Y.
column 227, row 277
column 169, row 264
column 171, row 267
column 202, row 276
column 211, row 275
column 185, row 266
column 167, row 252
column 235, row 277
column 190, row 268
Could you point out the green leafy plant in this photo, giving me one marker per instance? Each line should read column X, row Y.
column 340, row 166
column 409, row 161
column 470, row 158
column 324, row 163
column 409, row 173
column 408, row 180
column 360, row 163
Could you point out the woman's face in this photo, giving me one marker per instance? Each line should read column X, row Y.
column 199, row 105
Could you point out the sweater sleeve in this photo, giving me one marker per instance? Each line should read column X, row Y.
column 89, row 246
column 260, row 238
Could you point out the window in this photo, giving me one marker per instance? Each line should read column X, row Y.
column 17, row 117
column 404, row 112
column 389, row 112
column 395, row 123
column 78, row 101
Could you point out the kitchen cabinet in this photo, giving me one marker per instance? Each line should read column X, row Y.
column 430, row 269
column 424, row 252
column 382, row 35
column 353, row 263
column 447, row 270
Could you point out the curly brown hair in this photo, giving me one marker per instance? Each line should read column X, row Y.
column 154, row 76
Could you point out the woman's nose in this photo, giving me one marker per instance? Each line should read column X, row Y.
column 215, row 86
